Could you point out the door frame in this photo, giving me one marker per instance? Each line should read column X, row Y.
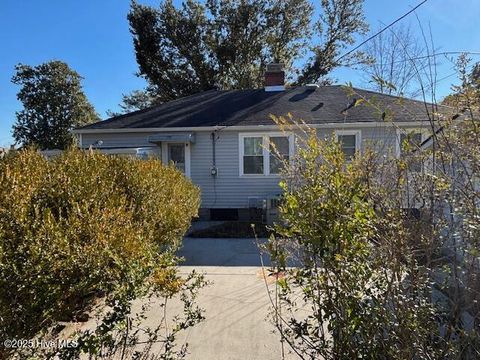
column 186, row 146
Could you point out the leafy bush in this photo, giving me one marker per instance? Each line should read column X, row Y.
column 83, row 225
column 358, row 291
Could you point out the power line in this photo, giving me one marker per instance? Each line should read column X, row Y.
column 432, row 85
column 381, row 31
column 445, row 53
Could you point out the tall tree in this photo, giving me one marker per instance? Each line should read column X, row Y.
column 135, row 100
column 53, row 104
column 466, row 95
column 396, row 59
column 221, row 43
column 339, row 22
column 170, row 47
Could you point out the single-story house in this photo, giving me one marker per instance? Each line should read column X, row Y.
column 219, row 138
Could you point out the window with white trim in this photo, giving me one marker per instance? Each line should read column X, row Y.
column 264, row 154
column 349, row 141
column 253, row 155
column 279, row 153
column 409, row 141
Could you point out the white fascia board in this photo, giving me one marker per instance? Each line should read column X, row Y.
column 255, row 127
column 274, row 88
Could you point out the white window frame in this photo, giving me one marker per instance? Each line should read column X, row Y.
column 265, row 150
column 187, row 145
column 358, row 137
column 405, row 131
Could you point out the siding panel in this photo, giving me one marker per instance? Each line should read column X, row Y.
column 117, row 140
column 228, row 189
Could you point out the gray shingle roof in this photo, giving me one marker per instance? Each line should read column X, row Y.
column 326, row 104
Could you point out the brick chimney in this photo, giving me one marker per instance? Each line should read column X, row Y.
column 274, row 77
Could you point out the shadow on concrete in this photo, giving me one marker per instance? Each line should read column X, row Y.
column 222, row 252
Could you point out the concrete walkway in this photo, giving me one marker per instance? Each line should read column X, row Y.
column 236, row 325
column 222, row 252
column 236, row 303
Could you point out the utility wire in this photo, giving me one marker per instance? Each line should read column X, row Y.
column 381, row 31
column 445, row 53
column 441, row 53
column 431, row 86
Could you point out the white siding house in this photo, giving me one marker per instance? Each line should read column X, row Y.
column 218, row 138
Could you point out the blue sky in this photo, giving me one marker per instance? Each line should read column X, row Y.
column 93, row 38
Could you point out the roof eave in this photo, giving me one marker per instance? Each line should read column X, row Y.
column 369, row 124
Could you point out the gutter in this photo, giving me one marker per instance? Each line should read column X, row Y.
column 252, row 127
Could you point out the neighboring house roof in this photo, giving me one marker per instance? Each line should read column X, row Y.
column 326, row 104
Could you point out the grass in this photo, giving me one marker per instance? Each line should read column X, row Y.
column 233, row 229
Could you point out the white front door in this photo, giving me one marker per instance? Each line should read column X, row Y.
column 178, row 154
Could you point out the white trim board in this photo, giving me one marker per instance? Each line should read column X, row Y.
column 355, row 125
column 274, row 88
column 265, row 151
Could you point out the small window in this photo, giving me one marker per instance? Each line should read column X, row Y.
column 349, row 141
column 348, row 145
column 409, row 142
column 176, row 154
column 279, row 153
column 253, row 155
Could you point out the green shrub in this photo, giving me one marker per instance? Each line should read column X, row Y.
column 357, row 291
column 81, row 225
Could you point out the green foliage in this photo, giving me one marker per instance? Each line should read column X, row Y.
column 358, row 291
column 226, row 43
column 83, row 225
column 339, row 22
column 53, row 104
column 166, row 42
column 136, row 100
column 466, row 96
column 123, row 334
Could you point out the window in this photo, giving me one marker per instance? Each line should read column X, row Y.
column 176, row 154
column 408, row 142
column 149, row 152
column 262, row 154
column 253, row 155
column 350, row 142
column 279, row 152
